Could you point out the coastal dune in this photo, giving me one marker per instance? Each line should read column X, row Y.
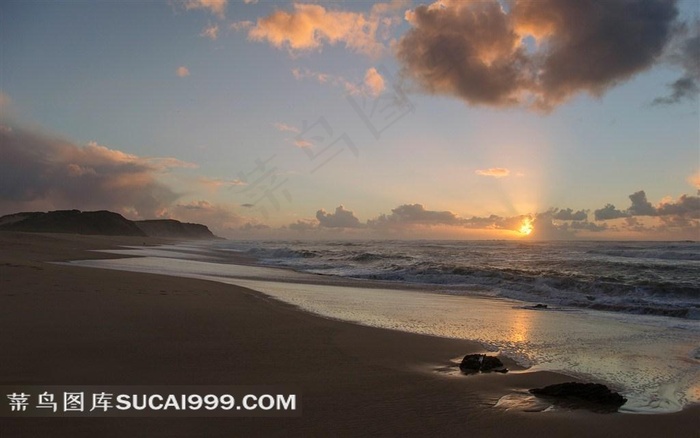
column 71, row 325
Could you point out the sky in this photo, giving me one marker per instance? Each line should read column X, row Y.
column 481, row 119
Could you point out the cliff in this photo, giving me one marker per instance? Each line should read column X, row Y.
column 102, row 222
column 173, row 228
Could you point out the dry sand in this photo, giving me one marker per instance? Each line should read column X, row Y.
column 68, row 325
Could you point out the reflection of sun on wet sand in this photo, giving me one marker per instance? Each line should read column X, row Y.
column 64, row 324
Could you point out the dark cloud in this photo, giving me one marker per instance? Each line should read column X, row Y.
column 569, row 215
column 545, row 227
column 303, row 225
column 466, row 49
column 342, row 218
column 477, row 50
column 686, row 206
column 679, row 219
column 415, row 214
column 684, row 52
column 679, row 212
column 588, row 226
column 685, row 87
column 640, row 206
column 608, row 212
column 42, row 172
column 494, row 222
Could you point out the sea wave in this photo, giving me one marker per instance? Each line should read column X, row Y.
column 638, row 278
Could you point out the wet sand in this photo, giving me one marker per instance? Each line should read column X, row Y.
column 69, row 325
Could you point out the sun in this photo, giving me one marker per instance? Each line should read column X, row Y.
column 526, row 228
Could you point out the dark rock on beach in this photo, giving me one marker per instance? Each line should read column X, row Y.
column 575, row 395
column 473, row 363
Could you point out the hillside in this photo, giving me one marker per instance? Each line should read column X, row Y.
column 102, row 222
column 173, row 228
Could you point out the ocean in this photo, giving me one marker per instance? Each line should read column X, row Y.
column 631, row 277
column 623, row 313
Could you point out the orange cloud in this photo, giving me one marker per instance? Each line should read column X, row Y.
column 309, row 26
column 372, row 85
column 694, row 180
column 374, row 82
column 216, row 183
column 286, row 128
column 211, row 32
column 182, row 71
column 496, row 172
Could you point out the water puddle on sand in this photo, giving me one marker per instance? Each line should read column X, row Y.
column 649, row 359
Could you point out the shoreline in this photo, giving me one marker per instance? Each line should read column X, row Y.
column 567, row 341
column 70, row 325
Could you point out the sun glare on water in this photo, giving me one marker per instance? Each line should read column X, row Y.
column 526, row 228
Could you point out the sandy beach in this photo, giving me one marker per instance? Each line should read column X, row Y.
column 69, row 325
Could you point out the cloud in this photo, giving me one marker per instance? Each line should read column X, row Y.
column 694, row 180
column 217, row 183
column 685, row 208
column 544, row 226
column 216, row 7
column 211, row 32
column 303, row 144
column 685, row 87
column 249, row 226
column 303, row 225
column 669, row 219
column 218, row 218
column 283, row 127
column 640, row 206
column 44, row 172
column 608, row 212
column 569, row 215
column 684, row 52
column 242, row 25
column 327, row 78
column 309, row 27
column 182, row 71
column 479, row 51
column 374, row 82
column 415, row 214
column 496, row 172
column 372, row 85
column 342, row 218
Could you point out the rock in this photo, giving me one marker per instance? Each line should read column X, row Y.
column 481, row 362
column 575, row 395
column 536, row 307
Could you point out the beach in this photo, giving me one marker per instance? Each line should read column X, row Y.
column 72, row 325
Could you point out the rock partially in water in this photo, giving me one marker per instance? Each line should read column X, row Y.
column 576, row 395
column 473, row 363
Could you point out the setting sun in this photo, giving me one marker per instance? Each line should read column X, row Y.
column 526, row 228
